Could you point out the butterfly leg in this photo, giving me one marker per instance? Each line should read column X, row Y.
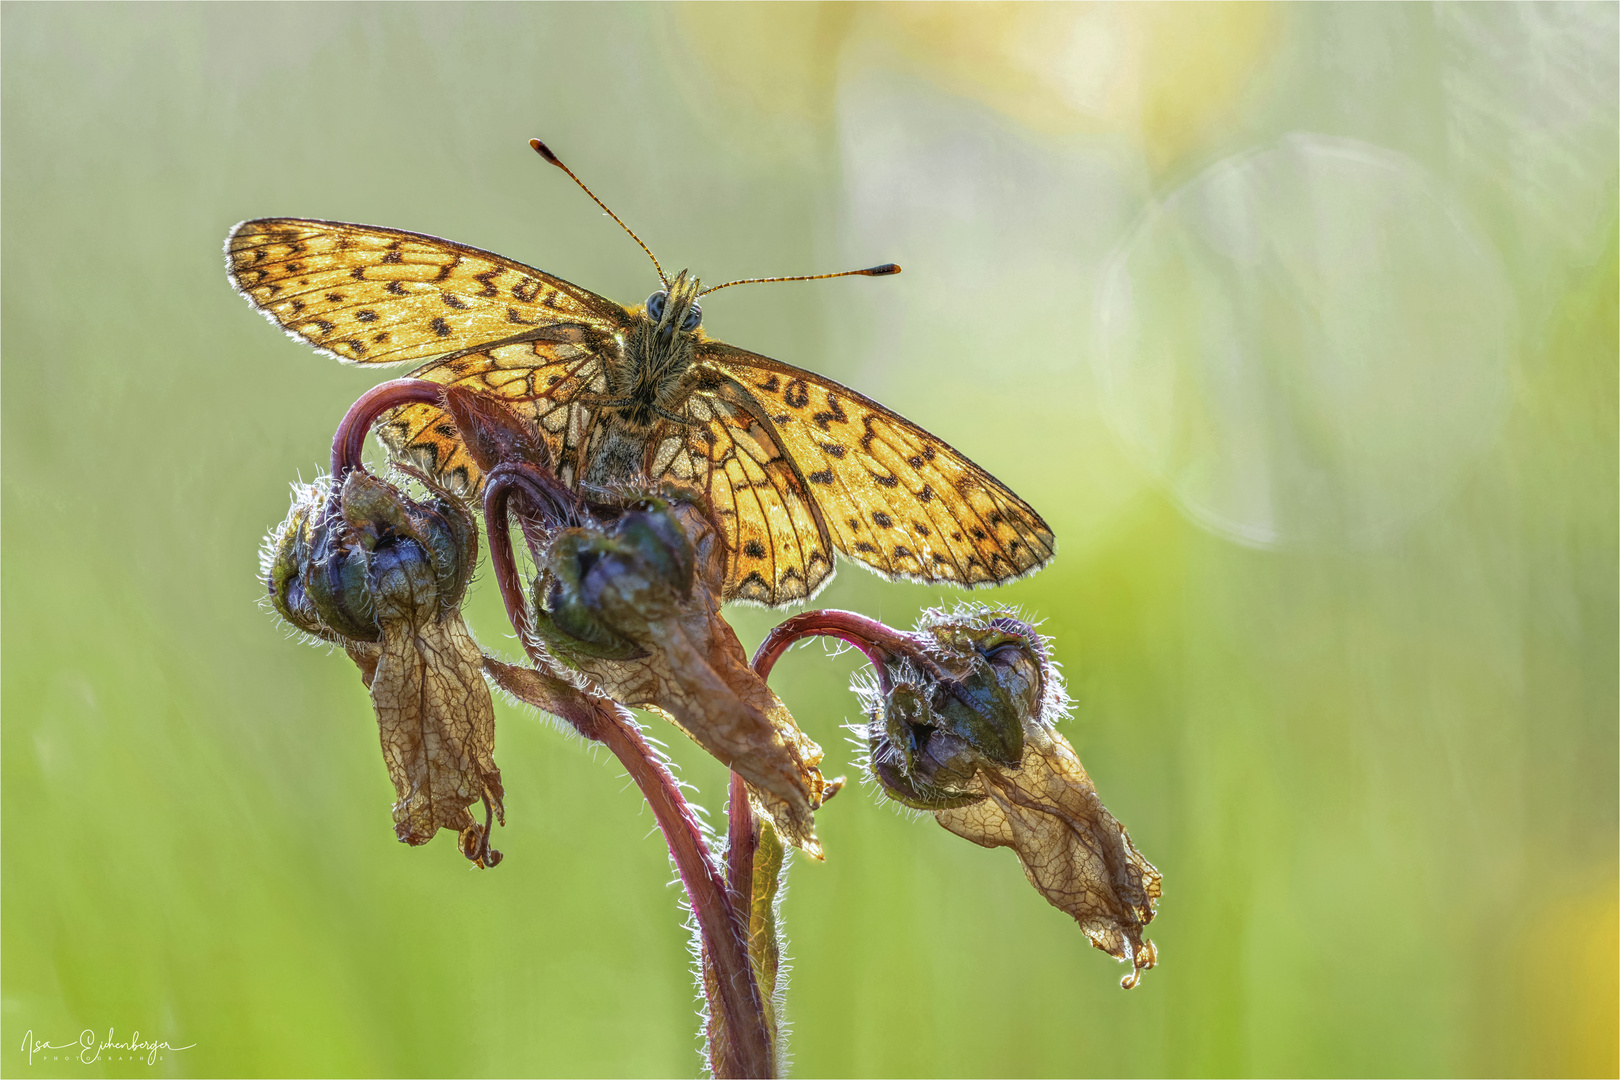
column 665, row 414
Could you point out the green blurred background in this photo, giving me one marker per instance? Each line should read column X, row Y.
column 1297, row 323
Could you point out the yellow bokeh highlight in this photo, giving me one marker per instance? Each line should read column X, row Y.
column 1569, row 962
column 1165, row 73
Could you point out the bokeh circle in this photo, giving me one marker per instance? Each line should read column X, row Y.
column 1306, row 343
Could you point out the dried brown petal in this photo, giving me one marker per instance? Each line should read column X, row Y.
column 1073, row 850
column 437, row 726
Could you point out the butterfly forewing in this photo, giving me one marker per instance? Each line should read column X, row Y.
column 893, row 496
column 383, row 296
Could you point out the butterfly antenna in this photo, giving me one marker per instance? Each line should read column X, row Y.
column 545, row 151
column 870, row 271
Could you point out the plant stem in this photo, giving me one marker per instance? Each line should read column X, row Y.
column 741, row 840
column 349, row 442
column 748, row 1049
column 877, row 642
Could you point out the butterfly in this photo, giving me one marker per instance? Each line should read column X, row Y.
column 794, row 465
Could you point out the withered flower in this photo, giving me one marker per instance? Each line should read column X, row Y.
column 365, row 567
column 1003, row 777
column 960, row 722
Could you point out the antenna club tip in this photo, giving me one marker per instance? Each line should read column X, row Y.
column 544, row 151
column 883, row 271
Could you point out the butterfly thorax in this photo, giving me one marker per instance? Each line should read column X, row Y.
column 644, row 383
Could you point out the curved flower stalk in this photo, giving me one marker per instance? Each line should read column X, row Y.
column 961, row 718
column 738, row 1008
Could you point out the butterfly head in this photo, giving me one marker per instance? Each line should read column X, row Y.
column 675, row 307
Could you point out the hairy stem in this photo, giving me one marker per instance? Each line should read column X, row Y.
column 877, row 642
column 748, row 1051
column 741, row 840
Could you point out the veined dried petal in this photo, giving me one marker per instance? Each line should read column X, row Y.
column 1073, row 850
column 434, row 713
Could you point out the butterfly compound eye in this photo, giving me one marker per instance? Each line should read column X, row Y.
column 693, row 317
column 655, row 306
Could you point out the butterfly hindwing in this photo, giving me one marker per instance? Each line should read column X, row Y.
column 893, row 496
column 780, row 548
column 540, row 381
column 383, row 296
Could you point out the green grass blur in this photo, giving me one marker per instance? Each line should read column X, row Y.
column 1379, row 777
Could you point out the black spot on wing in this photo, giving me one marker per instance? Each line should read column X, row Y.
column 834, row 412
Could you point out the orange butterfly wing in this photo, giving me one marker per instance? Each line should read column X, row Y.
column 383, row 296
column 541, row 381
column 781, row 550
column 892, row 496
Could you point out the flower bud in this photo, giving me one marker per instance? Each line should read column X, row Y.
column 603, row 588
column 384, row 576
column 631, row 601
column 931, row 732
column 962, row 725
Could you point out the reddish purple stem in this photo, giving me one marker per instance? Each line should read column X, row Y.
column 349, row 443
column 543, row 493
column 748, row 1049
column 748, row 1045
column 877, row 642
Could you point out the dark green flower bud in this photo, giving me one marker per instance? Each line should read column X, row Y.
column 629, row 600
column 331, row 562
column 602, row 588
column 961, row 703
